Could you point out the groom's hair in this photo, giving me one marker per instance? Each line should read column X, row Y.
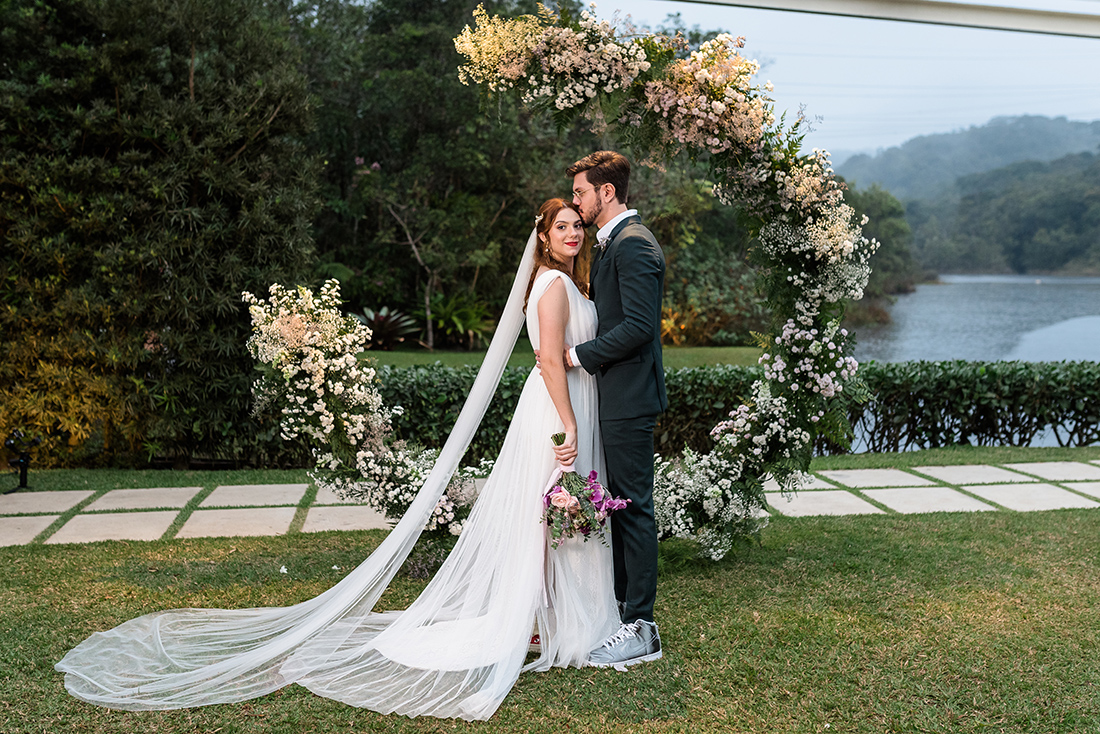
column 605, row 167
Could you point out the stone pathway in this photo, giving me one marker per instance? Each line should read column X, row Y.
column 1048, row 485
column 82, row 516
column 177, row 512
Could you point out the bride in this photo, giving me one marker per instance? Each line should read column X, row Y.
column 459, row 648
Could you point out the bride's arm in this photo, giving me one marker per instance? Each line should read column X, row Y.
column 553, row 312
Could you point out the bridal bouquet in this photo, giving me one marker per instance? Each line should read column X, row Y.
column 576, row 506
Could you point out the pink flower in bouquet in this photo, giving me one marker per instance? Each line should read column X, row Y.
column 598, row 495
column 561, row 499
column 582, row 509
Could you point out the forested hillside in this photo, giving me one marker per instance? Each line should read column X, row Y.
column 1029, row 217
column 927, row 167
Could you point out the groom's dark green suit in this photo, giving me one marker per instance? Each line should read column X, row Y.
column 626, row 284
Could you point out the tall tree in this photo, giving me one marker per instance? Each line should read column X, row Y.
column 427, row 193
column 151, row 168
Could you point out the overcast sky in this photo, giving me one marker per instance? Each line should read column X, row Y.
column 875, row 84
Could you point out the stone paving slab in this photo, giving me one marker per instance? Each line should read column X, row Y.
column 825, row 502
column 255, row 495
column 51, row 502
column 859, row 478
column 355, row 517
column 237, row 523
column 114, row 526
column 912, row 500
column 1090, row 488
column 1029, row 497
column 22, row 530
column 325, row 496
column 815, row 483
column 140, row 499
column 1059, row 471
column 973, row 474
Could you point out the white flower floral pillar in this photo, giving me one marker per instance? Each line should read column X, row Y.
column 308, row 354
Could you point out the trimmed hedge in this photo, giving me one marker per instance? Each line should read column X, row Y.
column 933, row 404
column 914, row 405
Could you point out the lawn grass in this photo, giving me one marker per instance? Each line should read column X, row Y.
column 959, row 622
column 522, row 356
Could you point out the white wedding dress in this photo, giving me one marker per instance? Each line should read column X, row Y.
column 459, row 648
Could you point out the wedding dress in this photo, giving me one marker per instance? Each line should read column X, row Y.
column 459, row 648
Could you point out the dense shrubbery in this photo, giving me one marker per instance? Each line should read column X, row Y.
column 151, row 168
column 932, row 404
column 913, row 405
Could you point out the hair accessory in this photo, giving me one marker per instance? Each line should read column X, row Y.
column 538, row 219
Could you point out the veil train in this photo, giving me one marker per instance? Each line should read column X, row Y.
column 195, row 657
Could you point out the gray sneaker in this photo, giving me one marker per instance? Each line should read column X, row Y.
column 637, row 642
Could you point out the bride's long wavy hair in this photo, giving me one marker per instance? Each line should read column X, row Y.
column 548, row 212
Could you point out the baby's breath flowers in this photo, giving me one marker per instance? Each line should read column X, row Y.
column 562, row 66
column 701, row 497
column 308, row 354
column 708, row 102
column 499, row 49
column 572, row 65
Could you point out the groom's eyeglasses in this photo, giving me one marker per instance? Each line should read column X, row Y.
column 581, row 192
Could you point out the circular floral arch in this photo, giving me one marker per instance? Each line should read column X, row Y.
column 809, row 251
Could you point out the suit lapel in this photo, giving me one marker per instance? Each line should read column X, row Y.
column 597, row 258
column 635, row 219
column 601, row 252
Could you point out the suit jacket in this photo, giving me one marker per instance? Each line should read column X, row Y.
column 626, row 284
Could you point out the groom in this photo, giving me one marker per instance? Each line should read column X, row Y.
column 626, row 283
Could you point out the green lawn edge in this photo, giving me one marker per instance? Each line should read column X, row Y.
column 965, row 622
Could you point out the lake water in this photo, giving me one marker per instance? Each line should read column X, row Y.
column 990, row 317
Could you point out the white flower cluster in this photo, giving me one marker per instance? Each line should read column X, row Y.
column 815, row 360
column 708, row 101
column 832, row 236
column 308, row 353
column 576, row 65
column 499, row 49
column 324, row 387
column 699, row 497
column 809, row 185
column 390, row 483
column 763, row 430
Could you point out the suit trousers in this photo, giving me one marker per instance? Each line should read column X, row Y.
column 628, row 456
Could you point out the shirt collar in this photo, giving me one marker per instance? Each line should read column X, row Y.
column 605, row 231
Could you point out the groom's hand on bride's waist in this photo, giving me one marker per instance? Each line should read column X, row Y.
column 566, row 359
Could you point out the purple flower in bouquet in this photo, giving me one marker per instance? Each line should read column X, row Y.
column 575, row 506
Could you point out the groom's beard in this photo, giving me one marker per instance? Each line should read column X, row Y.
column 588, row 218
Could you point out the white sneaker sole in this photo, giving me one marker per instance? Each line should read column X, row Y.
column 622, row 665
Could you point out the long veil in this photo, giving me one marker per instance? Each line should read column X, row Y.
column 194, row 657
